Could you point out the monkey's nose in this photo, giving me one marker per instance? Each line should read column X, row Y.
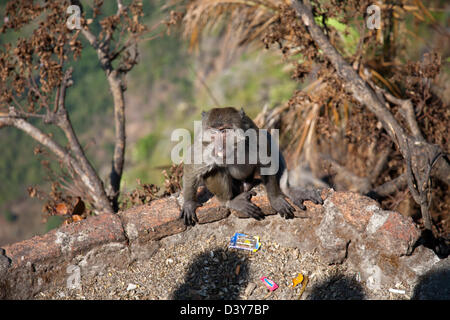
column 220, row 150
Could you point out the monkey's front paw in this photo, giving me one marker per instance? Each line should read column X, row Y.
column 188, row 212
column 298, row 196
column 282, row 207
column 243, row 204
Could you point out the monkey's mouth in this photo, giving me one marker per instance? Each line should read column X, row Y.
column 225, row 143
column 219, row 140
column 219, row 150
column 223, row 152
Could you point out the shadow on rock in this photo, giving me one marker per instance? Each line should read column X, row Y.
column 440, row 245
column 218, row 275
column 435, row 284
column 338, row 287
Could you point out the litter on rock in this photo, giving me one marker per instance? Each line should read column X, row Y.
column 297, row 280
column 271, row 285
column 131, row 286
column 397, row 291
column 245, row 242
column 304, row 283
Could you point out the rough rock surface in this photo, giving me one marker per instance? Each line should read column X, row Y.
column 435, row 283
column 349, row 247
column 48, row 260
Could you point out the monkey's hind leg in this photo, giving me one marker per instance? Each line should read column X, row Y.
column 298, row 195
column 243, row 204
column 228, row 191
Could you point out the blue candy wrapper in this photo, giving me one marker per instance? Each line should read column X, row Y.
column 245, row 242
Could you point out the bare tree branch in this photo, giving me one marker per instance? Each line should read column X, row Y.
column 419, row 158
column 59, row 151
column 117, row 88
column 379, row 166
column 407, row 111
column 390, row 187
column 62, row 120
column 357, row 86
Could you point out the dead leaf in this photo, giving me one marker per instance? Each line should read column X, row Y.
column 61, row 209
column 32, row 192
column 76, row 218
column 238, row 269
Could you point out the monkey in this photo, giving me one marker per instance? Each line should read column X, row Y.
column 231, row 182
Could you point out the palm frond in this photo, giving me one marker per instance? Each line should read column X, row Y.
column 246, row 19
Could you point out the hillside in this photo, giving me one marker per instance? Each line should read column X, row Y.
column 169, row 80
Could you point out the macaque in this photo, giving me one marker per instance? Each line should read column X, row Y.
column 231, row 131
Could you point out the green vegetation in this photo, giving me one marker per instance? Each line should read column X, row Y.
column 255, row 80
column 53, row 222
column 166, row 75
column 166, row 90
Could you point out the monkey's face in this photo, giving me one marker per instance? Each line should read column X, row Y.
column 222, row 145
column 223, row 133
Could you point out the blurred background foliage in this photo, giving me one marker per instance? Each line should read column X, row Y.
column 164, row 92
column 169, row 87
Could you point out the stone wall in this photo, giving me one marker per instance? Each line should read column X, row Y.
column 348, row 227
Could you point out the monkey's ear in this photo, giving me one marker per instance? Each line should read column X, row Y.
column 242, row 112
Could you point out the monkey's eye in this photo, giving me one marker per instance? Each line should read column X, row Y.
column 228, row 131
column 214, row 130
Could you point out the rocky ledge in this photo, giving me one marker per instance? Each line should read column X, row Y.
column 379, row 245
